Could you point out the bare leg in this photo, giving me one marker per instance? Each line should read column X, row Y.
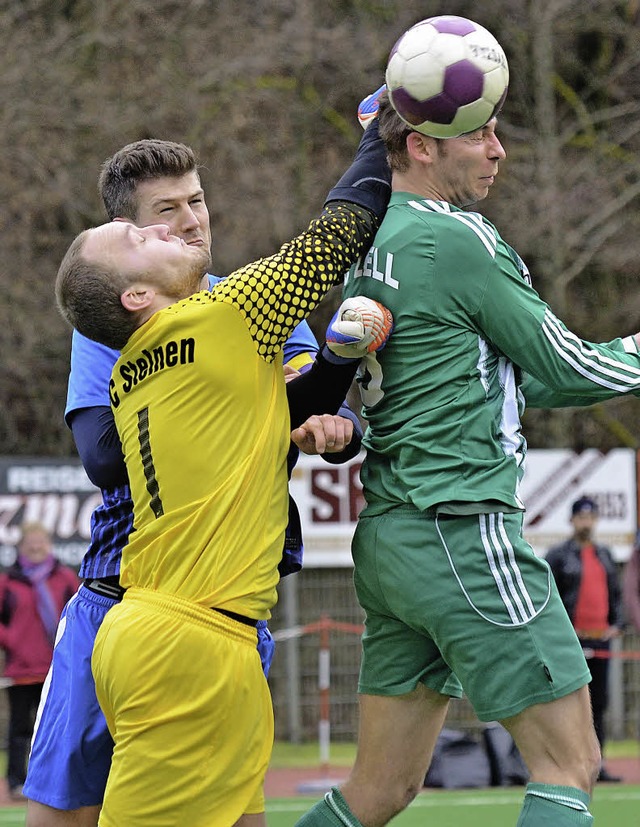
column 395, row 744
column 39, row 815
column 558, row 742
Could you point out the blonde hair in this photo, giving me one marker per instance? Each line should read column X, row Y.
column 33, row 527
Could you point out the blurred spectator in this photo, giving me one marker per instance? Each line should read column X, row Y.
column 631, row 586
column 33, row 592
column 587, row 579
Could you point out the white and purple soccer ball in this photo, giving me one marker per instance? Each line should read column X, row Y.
column 447, row 76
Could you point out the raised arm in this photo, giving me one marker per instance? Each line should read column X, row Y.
column 275, row 293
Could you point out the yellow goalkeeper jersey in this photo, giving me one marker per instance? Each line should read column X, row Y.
column 200, row 405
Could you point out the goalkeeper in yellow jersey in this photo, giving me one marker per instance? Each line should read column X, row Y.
column 201, row 409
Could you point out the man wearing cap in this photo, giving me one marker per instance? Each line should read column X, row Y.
column 587, row 580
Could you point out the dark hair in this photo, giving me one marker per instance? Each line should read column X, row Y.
column 584, row 505
column 394, row 132
column 136, row 162
column 88, row 296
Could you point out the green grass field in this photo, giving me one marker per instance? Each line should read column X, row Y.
column 612, row 807
column 619, row 807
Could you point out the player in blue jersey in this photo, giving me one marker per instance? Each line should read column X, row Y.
column 149, row 182
column 455, row 598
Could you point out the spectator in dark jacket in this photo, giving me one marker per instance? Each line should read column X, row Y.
column 588, row 582
column 33, row 592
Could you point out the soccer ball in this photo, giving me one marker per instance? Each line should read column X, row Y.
column 447, row 76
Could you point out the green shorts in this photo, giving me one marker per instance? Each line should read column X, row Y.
column 462, row 601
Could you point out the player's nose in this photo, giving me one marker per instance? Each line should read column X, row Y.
column 158, row 231
column 496, row 150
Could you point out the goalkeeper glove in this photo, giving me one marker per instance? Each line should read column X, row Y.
column 368, row 108
column 359, row 326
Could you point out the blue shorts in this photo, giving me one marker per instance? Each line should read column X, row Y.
column 266, row 646
column 71, row 747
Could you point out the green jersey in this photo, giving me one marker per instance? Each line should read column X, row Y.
column 444, row 399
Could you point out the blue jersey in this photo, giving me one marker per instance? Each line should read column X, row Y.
column 88, row 387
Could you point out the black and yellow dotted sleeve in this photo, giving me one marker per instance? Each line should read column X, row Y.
column 275, row 293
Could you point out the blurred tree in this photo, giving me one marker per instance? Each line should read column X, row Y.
column 266, row 92
column 570, row 193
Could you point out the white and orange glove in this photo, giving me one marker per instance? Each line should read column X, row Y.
column 359, row 326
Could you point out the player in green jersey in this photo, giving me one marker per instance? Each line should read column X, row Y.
column 455, row 599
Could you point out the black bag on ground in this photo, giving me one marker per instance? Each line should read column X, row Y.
column 459, row 761
column 507, row 766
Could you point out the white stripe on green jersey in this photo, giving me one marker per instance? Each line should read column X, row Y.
column 588, row 362
column 444, row 397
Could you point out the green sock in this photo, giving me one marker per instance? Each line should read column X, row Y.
column 545, row 804
column 332, row 810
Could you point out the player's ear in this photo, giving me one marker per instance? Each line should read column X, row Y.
column 420, row 147
column 137, row 297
